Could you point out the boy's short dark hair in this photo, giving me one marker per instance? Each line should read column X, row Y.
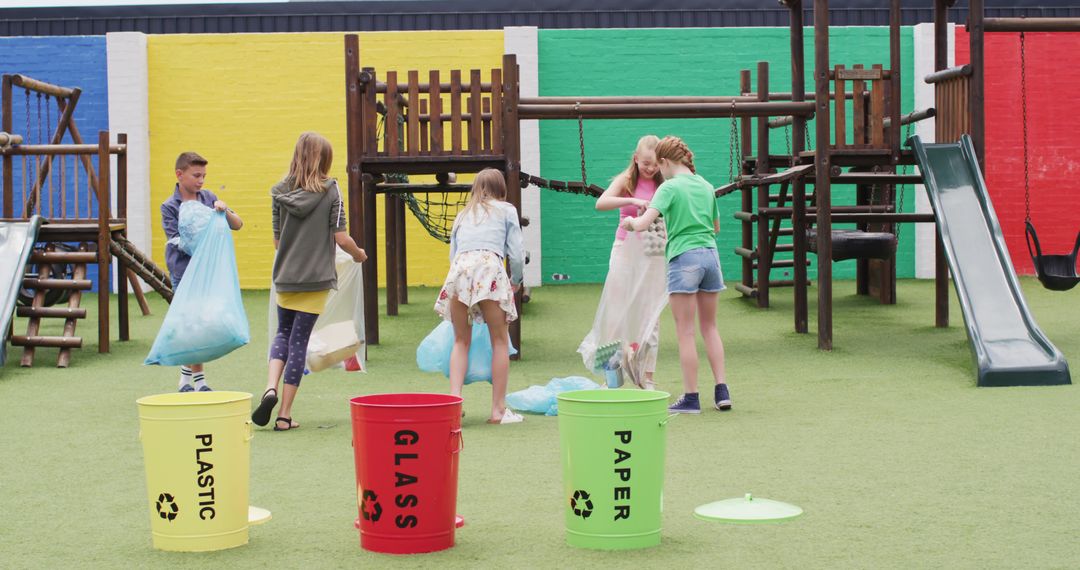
column 189, row 159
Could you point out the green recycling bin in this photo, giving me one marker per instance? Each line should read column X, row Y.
column 613, row 466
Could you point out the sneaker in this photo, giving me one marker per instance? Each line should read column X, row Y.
column 686, row 404
column 722, row 397
column 205, row 388
column 187, row 388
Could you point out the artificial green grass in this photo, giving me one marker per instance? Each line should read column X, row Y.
column 896, row 457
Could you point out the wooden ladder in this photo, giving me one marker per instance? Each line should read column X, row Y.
column 138, row 263
column 42, row 283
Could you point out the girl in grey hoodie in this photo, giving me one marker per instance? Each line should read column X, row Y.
column 308, row 221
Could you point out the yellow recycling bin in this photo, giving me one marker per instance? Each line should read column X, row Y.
column 196, row 447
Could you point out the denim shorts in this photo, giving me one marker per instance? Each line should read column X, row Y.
column 695, row 270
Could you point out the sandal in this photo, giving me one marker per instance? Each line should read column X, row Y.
column 292, row 424
column 508, row 417
column 261, row 415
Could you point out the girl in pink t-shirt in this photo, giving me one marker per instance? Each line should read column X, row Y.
column 635, row 290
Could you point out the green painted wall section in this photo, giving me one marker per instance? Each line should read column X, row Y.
column 576, row 238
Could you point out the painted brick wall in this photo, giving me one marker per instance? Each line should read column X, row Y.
column 577, row 239
column 241, row 100
column 1054, row 150
column 72, row 61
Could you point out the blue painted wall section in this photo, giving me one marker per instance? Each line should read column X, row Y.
column 73, row 61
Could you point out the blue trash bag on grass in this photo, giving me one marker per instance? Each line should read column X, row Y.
column 206, row 319
column 542, row 399
column 433, row 353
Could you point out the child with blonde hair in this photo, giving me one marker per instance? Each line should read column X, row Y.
column 688, row 203
column 634, row 289
column 308, row 220
column 477, row 288
column 190, row 177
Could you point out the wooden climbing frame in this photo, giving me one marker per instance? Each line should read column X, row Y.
column 68, row 212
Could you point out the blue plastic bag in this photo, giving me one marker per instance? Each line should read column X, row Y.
column 433, row 353
column 206, row 319
column 191, row 223
column 542, row 399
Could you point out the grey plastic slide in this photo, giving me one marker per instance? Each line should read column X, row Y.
column 16, row 242
column 1010, row 349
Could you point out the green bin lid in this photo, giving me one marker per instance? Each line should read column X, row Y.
column 748, row 509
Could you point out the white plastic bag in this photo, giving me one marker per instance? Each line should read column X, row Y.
column 344, row 305
column 332, row 345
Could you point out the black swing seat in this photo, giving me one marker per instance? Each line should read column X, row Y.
column 1056, row 272
column 854, row 244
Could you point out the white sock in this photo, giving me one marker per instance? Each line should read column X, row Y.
column 185, row 376
column 200, row 380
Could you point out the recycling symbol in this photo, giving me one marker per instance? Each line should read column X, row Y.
column 370, row 508
column 581, row 504
column 166, row 508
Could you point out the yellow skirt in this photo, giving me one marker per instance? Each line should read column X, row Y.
column 304, row 301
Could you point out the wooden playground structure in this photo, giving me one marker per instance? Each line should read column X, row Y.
column 473, row 120
column 69, row 185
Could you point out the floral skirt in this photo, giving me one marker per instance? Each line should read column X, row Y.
column 475, row 276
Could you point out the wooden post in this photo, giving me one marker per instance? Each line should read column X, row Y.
column 863, row 194
column 121, row 212
column 370, row 225
column 798, row 136
column 390, row 238
column 6, row 126
column 413, row 141
column 821, row 166
column 895, row 76
column 392, row 141
column 747, row 197
column 399, row 247
column 455, row 112
column 978, row 75
column 511, row 145
column 941, row 269
column 435, row 97
column 355, row 120
column 475, row 114
column 496, row 112
column 764, row 253
column 103, row 239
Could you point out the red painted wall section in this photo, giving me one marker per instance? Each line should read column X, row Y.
column 1053, row 81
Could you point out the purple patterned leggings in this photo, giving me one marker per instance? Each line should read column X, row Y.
column 291, row 341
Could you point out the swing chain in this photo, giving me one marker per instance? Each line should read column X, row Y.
column 27, row 98
column 41, row 139
column 581, row 142
column 1023, row 112
column 734, row 147
column 903, row 187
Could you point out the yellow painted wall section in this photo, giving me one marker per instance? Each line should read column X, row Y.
column 241, row 100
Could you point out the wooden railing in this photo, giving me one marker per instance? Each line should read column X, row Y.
column 951, row 92
column 437, row 118
column 869, row 110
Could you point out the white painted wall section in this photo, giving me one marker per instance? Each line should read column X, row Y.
column 523, row 42
column 924, row 98
column 129, row 113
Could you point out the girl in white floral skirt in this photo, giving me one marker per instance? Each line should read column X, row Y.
column 477, row 289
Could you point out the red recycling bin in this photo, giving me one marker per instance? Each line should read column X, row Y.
column 406, row 450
